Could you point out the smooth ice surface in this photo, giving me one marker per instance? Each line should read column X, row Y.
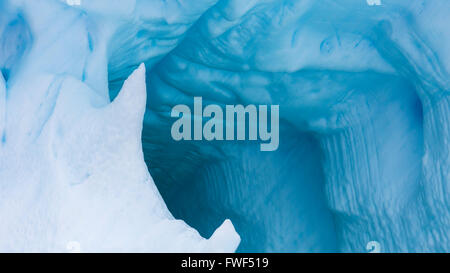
column 364, row 156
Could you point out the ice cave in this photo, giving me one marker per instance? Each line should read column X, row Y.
column 86, row 153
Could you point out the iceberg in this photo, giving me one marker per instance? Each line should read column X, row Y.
column 87, row 161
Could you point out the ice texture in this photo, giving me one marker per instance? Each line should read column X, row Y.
column 364, row 94
column 72, row 170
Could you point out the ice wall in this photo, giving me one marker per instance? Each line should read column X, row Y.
column 72, row 171
column 364, row 141
column 350, row 74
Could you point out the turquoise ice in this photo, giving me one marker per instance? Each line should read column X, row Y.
column 87, row 157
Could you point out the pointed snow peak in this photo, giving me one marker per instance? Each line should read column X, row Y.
column 225, row 238
column 131, row 99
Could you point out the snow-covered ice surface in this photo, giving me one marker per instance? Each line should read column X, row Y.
column 364, row 156
column 71, row 163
